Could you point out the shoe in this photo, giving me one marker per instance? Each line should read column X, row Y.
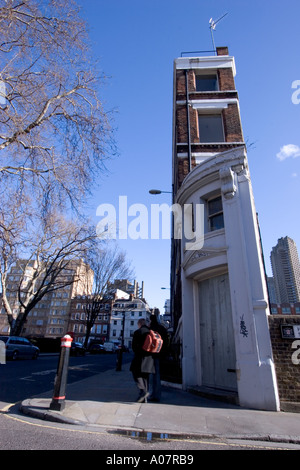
column 154, row 400
column 143, row 398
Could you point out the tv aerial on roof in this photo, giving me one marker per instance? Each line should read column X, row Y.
column 212, row 27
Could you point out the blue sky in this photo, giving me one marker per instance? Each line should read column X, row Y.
column 136, row 42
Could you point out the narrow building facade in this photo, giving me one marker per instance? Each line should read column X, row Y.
column 219, row 298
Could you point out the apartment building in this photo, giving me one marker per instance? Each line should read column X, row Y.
column 77, row 318
column 50, row 316
column 100, row 331
column 285, row 308
column 286, row 270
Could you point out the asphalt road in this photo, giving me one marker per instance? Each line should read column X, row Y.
column 21, row 433
column 23, row 379
column 27, row 378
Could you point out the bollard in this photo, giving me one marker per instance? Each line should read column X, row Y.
column 58, row 399
column 119, row 360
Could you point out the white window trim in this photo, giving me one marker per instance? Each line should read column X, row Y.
column 212, row 62
column 204, row 105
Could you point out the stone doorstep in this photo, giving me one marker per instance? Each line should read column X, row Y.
column 215, row 394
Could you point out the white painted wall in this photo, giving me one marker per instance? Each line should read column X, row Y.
column 235, row 248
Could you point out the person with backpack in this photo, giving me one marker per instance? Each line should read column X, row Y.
column 142, row 364
column 155, row 382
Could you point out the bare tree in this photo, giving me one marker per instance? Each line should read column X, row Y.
column 51, row 255
column 12, row 228
column 54, row 133
column 108, row 263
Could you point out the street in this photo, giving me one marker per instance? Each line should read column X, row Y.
column 23, row 379
column 27, row 378
column 22, row 433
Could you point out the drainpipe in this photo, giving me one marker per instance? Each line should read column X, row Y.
column 188, row 120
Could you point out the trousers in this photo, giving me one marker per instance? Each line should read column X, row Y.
column 142, row 382
column 155, row 384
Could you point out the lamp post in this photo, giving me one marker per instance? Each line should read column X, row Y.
column 120, row 351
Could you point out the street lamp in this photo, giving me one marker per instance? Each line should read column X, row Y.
column 158, row 191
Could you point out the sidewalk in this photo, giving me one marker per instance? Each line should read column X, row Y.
column 108, row 400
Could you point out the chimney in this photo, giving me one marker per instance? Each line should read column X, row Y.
column 222, row 50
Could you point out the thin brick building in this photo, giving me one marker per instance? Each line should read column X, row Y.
column 219, row 298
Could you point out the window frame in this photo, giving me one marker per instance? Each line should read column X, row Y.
column 207, row 76
column 220, row 127
column 214, row 215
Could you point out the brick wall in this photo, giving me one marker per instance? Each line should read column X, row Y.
column 232, row 124
column 288, row 374
column 231, row 116
column 183, row 168
column 226, row 79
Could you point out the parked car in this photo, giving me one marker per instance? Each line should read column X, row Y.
column 110, row 347
column 77, row 349
column 96, row 348
column 19, row 348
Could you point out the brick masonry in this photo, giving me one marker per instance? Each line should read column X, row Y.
column 231, row 116
column 288, row 373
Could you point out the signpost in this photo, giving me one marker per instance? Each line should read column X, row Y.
column 290, row 331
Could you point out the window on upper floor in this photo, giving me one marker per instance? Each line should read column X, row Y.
column 207, row 82
column 211, row 128
column 215, row 213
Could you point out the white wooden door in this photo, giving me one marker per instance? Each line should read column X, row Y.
column 218, row 360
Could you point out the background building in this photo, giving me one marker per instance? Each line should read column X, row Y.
column 271, row 290
column 124, row 318
column 64, row 310
column 50, row 316
column 286, row 270
column 101, row 329
column 285, row 308
column 132, row 288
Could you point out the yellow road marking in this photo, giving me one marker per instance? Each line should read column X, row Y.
column 194, row 441
column 6, row 408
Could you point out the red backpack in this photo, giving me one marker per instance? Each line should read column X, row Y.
column 153, row 342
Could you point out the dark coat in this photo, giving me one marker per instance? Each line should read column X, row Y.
column 142, row 362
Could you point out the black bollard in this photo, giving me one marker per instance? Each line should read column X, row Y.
column 59, row 393
column 119, row 360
